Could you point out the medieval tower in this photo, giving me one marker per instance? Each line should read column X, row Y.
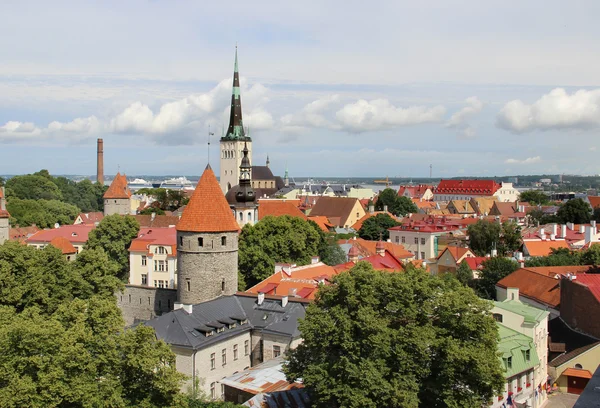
column 207, row 245
column 245, row 207
column 117, row 199
column 232, row 143
column 4, row 218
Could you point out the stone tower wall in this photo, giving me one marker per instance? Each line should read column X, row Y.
column 231, row 158
column 4, row 230
column 202, row 271
column 117, row 206
column 141, row 303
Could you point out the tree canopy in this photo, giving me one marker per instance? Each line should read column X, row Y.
column 375, row 339
column 487, row 235
column 464, row 274
column 114, row 235
column 399, row 206
column 43, row 213
column 277, row 239
column 166, row 200
column 534, row 197
column 494, row 270
column 576, row 211
column 376, row 227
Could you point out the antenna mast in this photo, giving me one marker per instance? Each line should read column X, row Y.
column 208, row 148
column 430, row 171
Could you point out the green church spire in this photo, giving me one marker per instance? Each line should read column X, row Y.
column 236, row 125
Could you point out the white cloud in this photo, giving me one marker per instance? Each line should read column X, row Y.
column 459, row 120
column 554, row 110
column 529, row 160
column 14, row 131
column 311, row 115
column 380, row 114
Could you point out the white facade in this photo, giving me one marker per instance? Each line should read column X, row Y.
column 246, row 215
column 231, row 159
column 157, row 267
column 507, row 193
column 422, row 244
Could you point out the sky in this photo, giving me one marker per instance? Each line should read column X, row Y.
column 329, row 88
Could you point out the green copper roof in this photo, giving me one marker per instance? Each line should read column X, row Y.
column 514, row 345
column 530, row 313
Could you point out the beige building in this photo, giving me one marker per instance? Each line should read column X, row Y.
column 341, row 211
column 450, row 258
column 533, row 323
column 421, row 238
column 572, row 371
column 153, row 258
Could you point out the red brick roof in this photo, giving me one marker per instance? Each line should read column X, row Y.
column 592, row 281
column 470, row 187
column 534, row 285
column 118, row 188
column 75, row 234
column 207, row 210
column 64, row 245
column 414, row 191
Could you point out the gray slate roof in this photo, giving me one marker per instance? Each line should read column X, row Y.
column 179, row 328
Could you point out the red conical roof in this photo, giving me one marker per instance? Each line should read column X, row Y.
column 118, row 188
column 207, row 210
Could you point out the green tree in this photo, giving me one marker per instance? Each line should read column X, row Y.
column 332, row 254
column 97, row 274
column 591, row 256
column 576, row 211
column 510, row 239
column 464, row 274
column 558, row 257
column 374, row 339
column 114, row 235
column 399, row 206
column 484, row 236
column 43, row 213
column 2, row 181
column 494, row 270
column 33, row 187
column 374, row 228
column 152, row 210
column 534, row 197
column 276, row 239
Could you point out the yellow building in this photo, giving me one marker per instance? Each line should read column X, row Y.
column 153, row 258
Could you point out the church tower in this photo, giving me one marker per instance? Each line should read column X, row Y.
column 4, row 218
column 245, row 208
column 207, row 245
column 232, row 143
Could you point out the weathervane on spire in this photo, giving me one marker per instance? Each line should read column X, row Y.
column 208, row 149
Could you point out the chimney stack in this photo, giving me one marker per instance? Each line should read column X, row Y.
column 100, row 162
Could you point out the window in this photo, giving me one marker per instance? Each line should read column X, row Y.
column 161, row 283
column 213, row 395
column 498, row 317
column 235, row 352
column 276, row 351
column 241, row 216
column 404, row 240
column 160, row 266
column 200, row 242
column 223, row 241
column 422, row 241
column 188, row 284
column 397, row 239
column 144, row 260
column 144, row 279
column 162, row 250
column 527, row 355
column 212, row 361
column 222, row 390
column 224, row 356
column 223, row 285
column 181, row 241
column 129, row 298
column 509, row 363
column 422, row 255
column 246, row 347
column 416, row 240
column 578, row 366
column 156, row 284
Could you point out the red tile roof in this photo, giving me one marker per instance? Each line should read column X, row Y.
column 207, row 210
column 75, row 234
column 458, row 252
column 64, row 245
column 544, row 248
column 91, row 217
column 368, row 248
column 277, row 208
column 414, row 191
column 387, row 262
column 470, row 187
column 322, row 221
column 577, row 372
column 22, row 233
column 592, row 282
column 475, row 262
column 155, row 236
column 118, row 188
column 594, row 201
column 534, row 285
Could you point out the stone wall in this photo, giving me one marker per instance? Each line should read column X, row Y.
column 144, row 302
column 579, row 308
column 4, row 229
column 117, row 206
column 209, row 271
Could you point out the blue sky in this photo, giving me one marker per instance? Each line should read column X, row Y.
column 334, row 88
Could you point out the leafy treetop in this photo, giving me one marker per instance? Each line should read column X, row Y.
column 377, row 226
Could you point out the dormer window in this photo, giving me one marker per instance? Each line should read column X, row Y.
column 509, row 363
column 528, row 355
column 220, row 329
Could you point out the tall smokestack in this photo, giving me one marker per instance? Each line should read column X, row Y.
column 100, row 162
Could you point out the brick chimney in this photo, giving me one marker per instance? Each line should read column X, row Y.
column 100, row 162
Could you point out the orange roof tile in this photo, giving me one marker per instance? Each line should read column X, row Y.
column 533, row 285
column 322, row 221
column 543, row 248
column 458, row 252
column 367, row 248
column 118, row 188
column 594, row 201
column 64, row 245
column 207, row 210
column 577, row 372
column 277, row 208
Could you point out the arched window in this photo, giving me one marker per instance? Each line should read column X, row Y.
column 579, row 366
column 250, row 216
column 241, row 216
